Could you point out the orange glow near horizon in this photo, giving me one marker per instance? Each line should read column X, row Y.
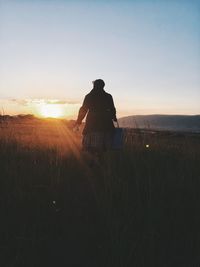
column 51, row 111
column 45, row 108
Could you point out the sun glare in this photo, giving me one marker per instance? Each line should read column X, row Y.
column 51, row 111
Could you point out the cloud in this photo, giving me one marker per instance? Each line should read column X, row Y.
column 61, row 102
column 25, row 102
column 22, row 102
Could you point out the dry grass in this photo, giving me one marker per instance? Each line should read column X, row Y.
column 136, row 207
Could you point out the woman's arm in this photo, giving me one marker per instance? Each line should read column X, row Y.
column 113, row 110
column 82, row 111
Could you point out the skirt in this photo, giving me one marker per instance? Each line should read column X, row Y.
column 97, row 141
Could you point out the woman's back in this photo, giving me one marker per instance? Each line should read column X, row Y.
column 99, row 101
column 101, row 111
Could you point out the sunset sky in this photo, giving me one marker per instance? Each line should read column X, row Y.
column 146, row 51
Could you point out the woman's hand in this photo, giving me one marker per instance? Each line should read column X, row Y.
column 76, row 127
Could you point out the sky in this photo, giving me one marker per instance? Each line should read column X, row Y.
column 146, row 51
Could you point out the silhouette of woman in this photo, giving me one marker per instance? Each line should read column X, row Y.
column 101, row 112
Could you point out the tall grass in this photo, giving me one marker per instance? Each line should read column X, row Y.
column 136, row 207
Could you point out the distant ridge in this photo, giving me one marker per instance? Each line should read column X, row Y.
column 185, row 123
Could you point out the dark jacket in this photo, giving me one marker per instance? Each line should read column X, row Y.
column 100, row 110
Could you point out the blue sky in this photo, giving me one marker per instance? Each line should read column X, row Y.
column 148, row 52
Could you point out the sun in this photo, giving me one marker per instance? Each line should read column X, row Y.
column 51, row 111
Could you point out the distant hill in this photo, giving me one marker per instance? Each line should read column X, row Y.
column 185, row 123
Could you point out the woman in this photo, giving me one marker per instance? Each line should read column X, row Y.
column 101, row 112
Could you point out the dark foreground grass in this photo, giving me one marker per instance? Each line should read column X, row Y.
column 137, row 207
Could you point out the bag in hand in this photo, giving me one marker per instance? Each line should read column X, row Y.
column 117, row 138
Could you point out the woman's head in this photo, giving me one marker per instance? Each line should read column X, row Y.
column 98, row 84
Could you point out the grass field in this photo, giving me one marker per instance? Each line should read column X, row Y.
column 136, row 207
